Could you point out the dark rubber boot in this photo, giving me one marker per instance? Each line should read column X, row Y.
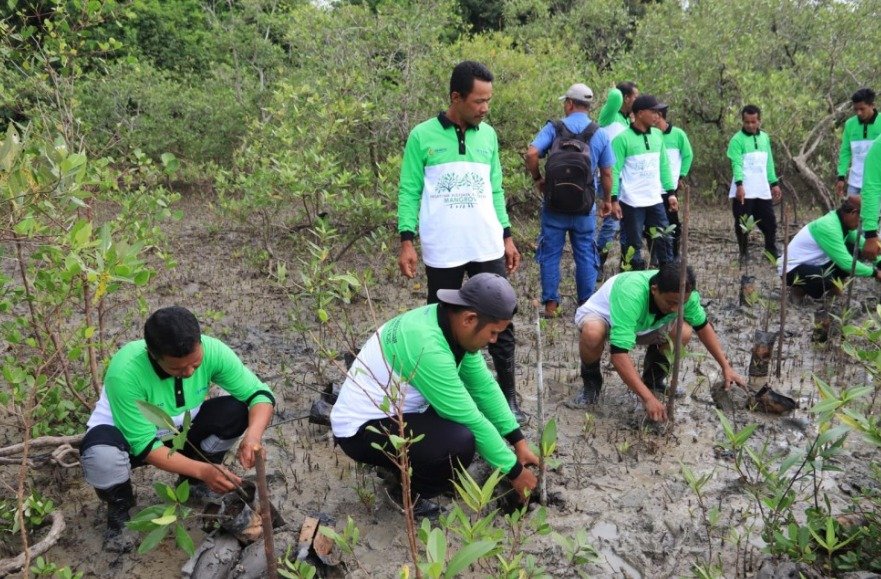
column 507, row 384
column 592, row 384
column 654, row 370
column 120, row 499
column 743, row 247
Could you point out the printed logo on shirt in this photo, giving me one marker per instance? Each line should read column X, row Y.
column 432, row 151
column 459, row 190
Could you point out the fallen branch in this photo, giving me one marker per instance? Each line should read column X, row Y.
column 15, row 563
column 42, row 442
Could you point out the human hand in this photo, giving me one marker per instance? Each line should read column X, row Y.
column 407, row 259
column 871, row 248
column 740, row 194
column 776, row 193
column 219, row 478
column 247, row 450
column 524, row 454
column 839, row 188
column 657, row 412
column 512, row 256
column 540, row 185
column 524, row 484
column 616, row 210
column 673, row 203
column 730, row 377
column 605, row 209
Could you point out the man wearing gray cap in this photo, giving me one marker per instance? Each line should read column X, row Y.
column 426, row 365
column 578, row 134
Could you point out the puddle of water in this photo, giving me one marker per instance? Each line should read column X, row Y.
column 603, row 530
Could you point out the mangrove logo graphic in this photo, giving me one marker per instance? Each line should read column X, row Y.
column 460, row 190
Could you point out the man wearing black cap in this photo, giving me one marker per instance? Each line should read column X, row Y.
column 426, row 365
column 642, row 183
column 580, row 226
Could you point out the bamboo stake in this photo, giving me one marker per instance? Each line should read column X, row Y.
column 783, row 290
column 683, row 277
column 539, row 411
column 265, row 513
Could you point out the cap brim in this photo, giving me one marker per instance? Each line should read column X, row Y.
column 451, row 296
column 660, row 107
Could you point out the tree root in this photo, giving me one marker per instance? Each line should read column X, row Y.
column 65, row 446
column 15, row 563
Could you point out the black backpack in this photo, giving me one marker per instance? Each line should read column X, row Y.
column 569, row 183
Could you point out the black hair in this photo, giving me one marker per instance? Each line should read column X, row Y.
column 626, row 87
column 864, row 95
column 482, row 319
column 750, row 110
column 847, row 207
column 667, row 278
column 172, row 331
column 663, row 113
column 462, row 79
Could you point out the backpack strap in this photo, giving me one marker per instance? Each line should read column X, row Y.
column 561, row 130
column 587, row 134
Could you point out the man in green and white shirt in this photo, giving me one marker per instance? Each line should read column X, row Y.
column 754, row 185
column 451, row 191
column 425, row 365
column 859, row 132
column 680, row 154
column 822, row 252
column 642, row 183
column 640, row 308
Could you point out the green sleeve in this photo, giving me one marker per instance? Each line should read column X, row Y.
column 666, row 179
column 435, row 375
column 686, row 154
column 495, row 177
column 411, row 184
column 844, row 154
column 486, row 393
column 122, row 392
column 735, row 154
column 832, row 243
column 871, row 192
column 619, row 146
column 609, row 112
column 234, row 377
column 772, row 171
column 694, row 312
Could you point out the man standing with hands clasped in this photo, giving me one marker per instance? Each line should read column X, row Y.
column 451, row 188
column 754, row 185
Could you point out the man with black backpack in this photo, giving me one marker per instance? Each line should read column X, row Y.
column 575, row 150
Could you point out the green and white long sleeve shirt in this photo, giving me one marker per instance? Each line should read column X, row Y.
column 451, row 189
column 641, row 174
column 752, row 164
column 821, row 241
column 855, row 143
column 679, row 152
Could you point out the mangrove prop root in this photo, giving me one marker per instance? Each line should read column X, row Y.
column 15, row 563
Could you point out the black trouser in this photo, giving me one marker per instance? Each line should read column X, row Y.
column 657, row 250
column 816, row 280
column 502, row 351
column 446, row 445
column 105, row 453
column 762, row 210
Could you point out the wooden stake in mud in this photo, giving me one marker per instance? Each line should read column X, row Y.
column 783, row 289
column 265, row 513
column 853, row 267
column 539, row 410
column 683, row 277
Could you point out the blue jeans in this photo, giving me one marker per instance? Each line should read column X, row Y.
column 633, row 221
column 551, row 239
column 607, row 232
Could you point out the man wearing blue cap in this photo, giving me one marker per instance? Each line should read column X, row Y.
column 426, row 364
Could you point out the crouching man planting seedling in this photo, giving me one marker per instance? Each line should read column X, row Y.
column 421, row 378
column 172, row 368
column 640, row 308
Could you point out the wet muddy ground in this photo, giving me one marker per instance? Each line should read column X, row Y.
column 621, row 477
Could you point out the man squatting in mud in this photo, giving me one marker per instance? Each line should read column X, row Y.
column 173, row 368
column 640, row 308
column 822, row 252
column 427, row 364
